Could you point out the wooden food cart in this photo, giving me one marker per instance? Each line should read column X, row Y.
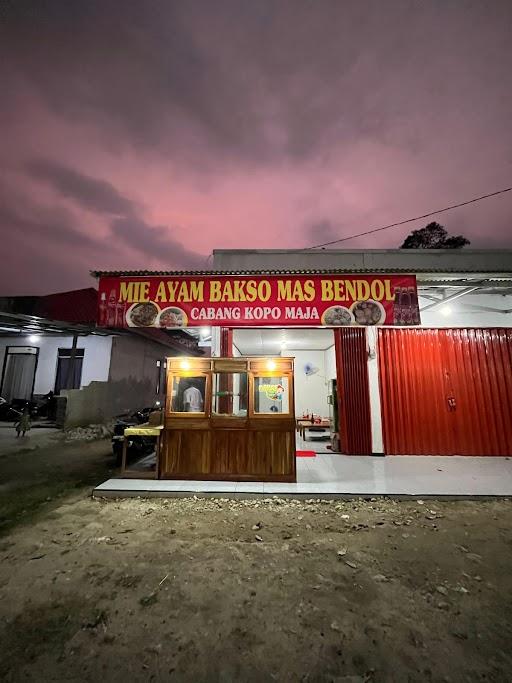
column 229, row 419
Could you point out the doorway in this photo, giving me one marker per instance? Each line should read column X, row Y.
column 19, row 373
column 331, row 381
column 69, row 371
column 314, row 374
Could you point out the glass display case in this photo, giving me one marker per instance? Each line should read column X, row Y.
column 188, row 394
column 229, row 394
column 229, row 418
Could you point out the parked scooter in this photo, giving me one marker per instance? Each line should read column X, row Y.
column 13, row 410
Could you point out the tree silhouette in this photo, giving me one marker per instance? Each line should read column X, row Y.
column 433, row 236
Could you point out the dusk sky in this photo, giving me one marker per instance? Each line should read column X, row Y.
column 142, row 135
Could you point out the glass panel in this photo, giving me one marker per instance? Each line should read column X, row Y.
column 188, row 394
column 271, row 395
column 229, row 395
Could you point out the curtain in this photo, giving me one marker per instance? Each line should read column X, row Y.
column 63, row 381
column 19, row 376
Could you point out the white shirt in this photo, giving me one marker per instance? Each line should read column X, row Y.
column 193, row 400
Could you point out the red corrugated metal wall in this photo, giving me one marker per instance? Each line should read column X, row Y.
column 353, row 392
column 446, row 392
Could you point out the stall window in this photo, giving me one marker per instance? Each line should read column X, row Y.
column 271, row 395
column 188, row 394
column 229, row 395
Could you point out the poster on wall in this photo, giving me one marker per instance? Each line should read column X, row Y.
column 258, row 301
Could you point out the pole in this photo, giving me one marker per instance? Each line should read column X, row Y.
column 71, row 367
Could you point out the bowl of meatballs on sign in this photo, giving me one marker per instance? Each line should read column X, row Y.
column 337, row 316
column 368, row 312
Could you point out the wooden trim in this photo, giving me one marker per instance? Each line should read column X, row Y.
column 133, row 474
column 281, row 365
column 286, row 478
column 195, row 364
column 232, row 365
column 171, row 376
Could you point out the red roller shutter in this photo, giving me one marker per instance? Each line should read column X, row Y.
column 446, row 392
column 353, row 391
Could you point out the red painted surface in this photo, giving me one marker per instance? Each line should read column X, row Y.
column 446, row 392
column 226, row 342
column 258, row 300
column 353, row 392
column 78, row 306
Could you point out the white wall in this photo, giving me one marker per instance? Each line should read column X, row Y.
column 374, row 389
column 472, row 310
column 330, row 363
column 95, row 365
column 310, row 391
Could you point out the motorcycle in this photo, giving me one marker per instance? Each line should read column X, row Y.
column 10, row 411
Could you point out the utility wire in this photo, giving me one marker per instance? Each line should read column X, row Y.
column 411, row 220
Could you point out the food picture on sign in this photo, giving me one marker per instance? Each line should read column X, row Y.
column 142, row 315
column 172, row 316
column 336, row 316
column 369, row 313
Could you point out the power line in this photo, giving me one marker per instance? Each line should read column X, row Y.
column 411, row 220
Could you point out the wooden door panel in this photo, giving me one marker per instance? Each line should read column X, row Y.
column 229, row 451
column 186, row 452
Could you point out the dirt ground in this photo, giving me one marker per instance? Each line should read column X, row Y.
column 245, row 590
column 41, row 472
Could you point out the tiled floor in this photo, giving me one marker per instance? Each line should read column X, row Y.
column 313, row 444
column 329, row 473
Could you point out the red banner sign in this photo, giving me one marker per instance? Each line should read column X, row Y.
column 258, row 301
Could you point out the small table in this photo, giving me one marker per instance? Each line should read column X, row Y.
column 142, row 430
column 303, row 424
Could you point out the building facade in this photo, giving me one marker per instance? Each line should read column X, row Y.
column 52, row 344
column 442, row 387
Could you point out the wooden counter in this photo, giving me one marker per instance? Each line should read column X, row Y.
column 258, row 446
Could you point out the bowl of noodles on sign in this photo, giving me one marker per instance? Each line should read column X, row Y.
column 142, row 315
column 172, row 316
column 337, row 316
column 368, row 312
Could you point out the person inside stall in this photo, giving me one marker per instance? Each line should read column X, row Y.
column 193, row 400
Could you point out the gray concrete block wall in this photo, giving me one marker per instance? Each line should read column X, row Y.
column 100, row 401
column 131, row 385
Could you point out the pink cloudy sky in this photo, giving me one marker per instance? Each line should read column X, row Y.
column 146, row 134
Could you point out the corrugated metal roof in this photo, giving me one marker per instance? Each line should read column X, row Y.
column 77, row 306
column 286, row 271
